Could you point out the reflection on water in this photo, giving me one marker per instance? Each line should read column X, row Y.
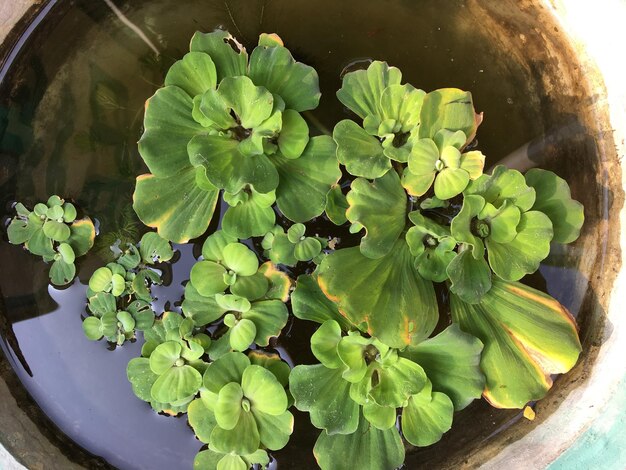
column 70, row 115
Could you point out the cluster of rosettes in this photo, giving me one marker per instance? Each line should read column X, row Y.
column 226, row 121
column 52, row 231
column 119, row 297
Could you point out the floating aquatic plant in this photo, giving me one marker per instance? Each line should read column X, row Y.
column 119, row 297
column 229, row 125
column 228, row 121
column 52, row 231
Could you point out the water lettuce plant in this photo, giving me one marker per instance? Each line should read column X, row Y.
column 416, row 294
column 119, row 297
column 51, row 230
column 228, row 121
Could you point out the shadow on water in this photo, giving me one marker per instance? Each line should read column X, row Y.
column 70, row 115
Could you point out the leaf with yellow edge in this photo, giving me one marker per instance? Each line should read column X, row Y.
column 176, row 205
column 397, row 304
column 528, row 336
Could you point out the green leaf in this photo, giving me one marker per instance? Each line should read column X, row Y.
column 252, row 104
column 384, row 293
column 451, row 361
column 351, row 350
column 270, row 317
column 390, row 384
column 512, row 261
column 503, row 222
column 239, row 258
column 336, row 206
column 54, row 212
column 252, row 216
column 102, row 303
column 20, row 231
column 448, row 108
column 176, row 384
column 69, row 212
column 450, row 182
column 282, row 250
column 421, row 167
column 242, row 439
column 57, row 231
column 194, row 73
column 308, row 302
column 380, row 206
column 154, row 248
column 504, row 184
column 294, row 135
column 403, row 104
column 229, row 169
column 118, row 285
column 164, row 357
column 228, row 62
column 92, row 328
column 307, row 249
column 228, row 368
column 326, row 396
column 233, row 303
column 470, row 277
column 361, row 90
column 228, row 406
column 61, row 272
column 100, row 280
column 168, row 127
column 273, row 363
column 554, row 199
column 324, row 344
column 176, row 206
column 207, row 278
column 423, row 424
column 361, row 153
column 296, row 232
column 207, row 459
column 368, row 448
column 296, row 83
column 242, row 334
column 127, row 321
column 82, row 236
column 201, row 309
column 213, row 247
column 265, row 393
column 141, row 377
column 305, row 181
column 211, row 110
column 232, row 462
column 108, row 324
column 251, row 287
column 39, row 244
column 201, row 419
column 274, row 431
column 527, row 335
column 381, row 417
column 462, row 228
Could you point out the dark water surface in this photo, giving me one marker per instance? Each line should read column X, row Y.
column 71, row 107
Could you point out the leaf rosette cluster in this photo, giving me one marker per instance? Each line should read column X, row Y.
column 52, row 231
column 228, row 121
column 119, row 297
column 242, row 410
column 229, row 283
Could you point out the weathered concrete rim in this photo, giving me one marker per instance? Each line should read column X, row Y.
column 587, row 430
column 559, row 435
